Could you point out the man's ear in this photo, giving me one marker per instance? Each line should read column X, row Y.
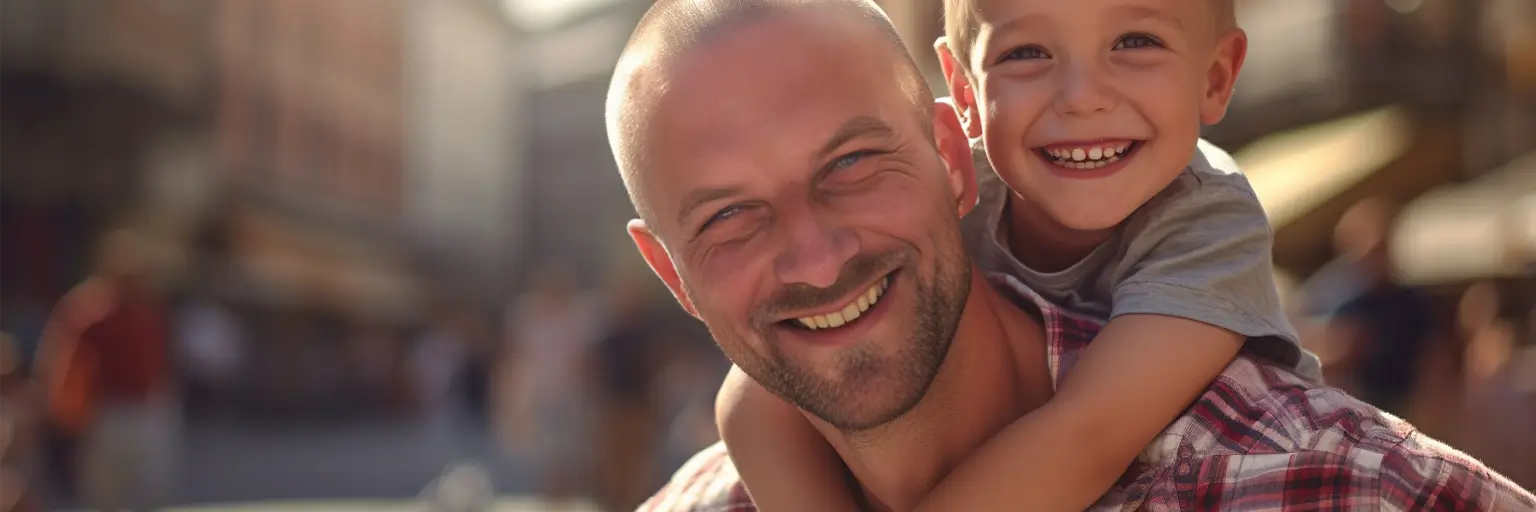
column 955, row 148
column 1221, row 78
column 660, row 261
column 959, row 88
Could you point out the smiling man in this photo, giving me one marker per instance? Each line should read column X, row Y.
column 801, row 193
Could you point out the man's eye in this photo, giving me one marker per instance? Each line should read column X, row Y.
column 1029, row 52
column 1135, row 41
column 848, row 160
column 723, row 214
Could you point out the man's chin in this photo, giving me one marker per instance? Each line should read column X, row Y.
column 863, row 407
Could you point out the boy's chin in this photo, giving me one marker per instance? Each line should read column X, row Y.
column 1088, row 215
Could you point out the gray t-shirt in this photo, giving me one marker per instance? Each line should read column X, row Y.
column 1200, row 249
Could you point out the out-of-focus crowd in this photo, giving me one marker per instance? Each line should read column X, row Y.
column 590, row 386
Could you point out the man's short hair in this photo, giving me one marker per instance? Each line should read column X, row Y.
column 960, row 25
column 673, row 27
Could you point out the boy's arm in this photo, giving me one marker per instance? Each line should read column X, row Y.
column 1135, row 378
column 785, row 462
column 1194, row 284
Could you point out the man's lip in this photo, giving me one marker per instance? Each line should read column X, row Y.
column 859, row 329
column 837, row 305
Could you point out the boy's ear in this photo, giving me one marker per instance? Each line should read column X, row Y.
column 955, row 149
column 1221, row 78
column 960, row 90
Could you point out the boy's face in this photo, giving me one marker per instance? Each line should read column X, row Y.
column 1089, row 108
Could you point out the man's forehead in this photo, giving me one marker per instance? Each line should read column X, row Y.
column 756, row 96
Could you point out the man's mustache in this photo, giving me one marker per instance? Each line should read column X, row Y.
column 855, row 275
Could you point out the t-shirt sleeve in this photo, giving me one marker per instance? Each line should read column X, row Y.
column 1202, row 251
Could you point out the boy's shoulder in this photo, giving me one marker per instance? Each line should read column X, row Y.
column 1211, row 171
column 1212, row 183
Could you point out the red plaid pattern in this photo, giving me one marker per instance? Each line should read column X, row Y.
column 1260, row 438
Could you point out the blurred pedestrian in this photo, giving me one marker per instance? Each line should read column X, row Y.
column 107, row 367
column 1377, row 328
column 211, row 351
column 628, row 359
column 552, row 329
column 21, row 441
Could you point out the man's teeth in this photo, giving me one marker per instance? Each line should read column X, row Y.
column 850, row 311
column 1089, row 157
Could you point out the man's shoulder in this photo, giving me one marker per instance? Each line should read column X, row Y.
column 708, row 482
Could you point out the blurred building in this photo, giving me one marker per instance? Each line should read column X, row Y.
column 467, row 147
column 309, row 119
column 575, row 207
column 95, row 95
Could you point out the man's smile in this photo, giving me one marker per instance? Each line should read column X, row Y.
column 845, row 321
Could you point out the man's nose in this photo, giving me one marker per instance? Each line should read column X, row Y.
column 816, row 249
column 1084, row 89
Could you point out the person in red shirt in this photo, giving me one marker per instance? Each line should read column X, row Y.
column 106, row 366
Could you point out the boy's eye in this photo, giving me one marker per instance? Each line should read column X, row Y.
column 1029, row 52
column 1135, row 41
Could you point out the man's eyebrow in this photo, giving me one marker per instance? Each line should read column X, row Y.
column 855, row 128
column 702, row 196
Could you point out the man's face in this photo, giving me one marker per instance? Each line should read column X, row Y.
column 802, row 211
column 1089, row 108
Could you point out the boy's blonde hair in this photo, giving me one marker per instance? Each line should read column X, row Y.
column 960, row 25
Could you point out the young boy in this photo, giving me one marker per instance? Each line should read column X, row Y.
column 1108, row 204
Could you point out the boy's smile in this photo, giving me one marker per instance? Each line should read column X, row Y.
column 1087, row 160
column 1088, row 109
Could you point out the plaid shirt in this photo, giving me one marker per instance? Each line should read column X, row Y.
column 1260, row 438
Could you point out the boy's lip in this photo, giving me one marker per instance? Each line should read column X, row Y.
column 1088, row 143
column 1090, row 160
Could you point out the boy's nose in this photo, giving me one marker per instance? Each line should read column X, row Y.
column 1084, row 90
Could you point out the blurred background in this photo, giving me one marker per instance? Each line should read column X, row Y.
column 369, row 253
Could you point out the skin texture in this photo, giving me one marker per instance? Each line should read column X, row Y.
column 805, row 197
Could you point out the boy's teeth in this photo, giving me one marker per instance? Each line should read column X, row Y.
column 850, row 311
column 1088, row 157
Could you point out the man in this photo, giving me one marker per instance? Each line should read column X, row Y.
column 786, row 158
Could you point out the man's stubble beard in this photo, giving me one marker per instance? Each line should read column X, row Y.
column 898, row 382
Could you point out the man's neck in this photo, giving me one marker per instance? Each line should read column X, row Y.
column 994, row 373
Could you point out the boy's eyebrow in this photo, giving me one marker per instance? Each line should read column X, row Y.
column 1021, row 23
column 1139, row 12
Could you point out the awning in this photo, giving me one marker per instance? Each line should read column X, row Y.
column 1482, row 229
column 1294, row 172
column 306, row 266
